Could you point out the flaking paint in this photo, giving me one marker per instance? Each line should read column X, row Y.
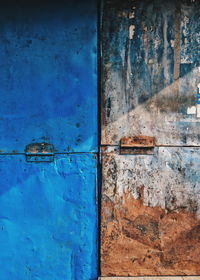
column 150, row 198
column 150, row 81
column 151, row 213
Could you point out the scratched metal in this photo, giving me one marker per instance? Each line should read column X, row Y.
column 151, row 213
column 48, row 89
column 48, row 218
column 150, row 62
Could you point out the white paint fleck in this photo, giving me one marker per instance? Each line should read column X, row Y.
column 150, row 61
column 132, row 13
column 191, row 110
column 198, row 110
column 131, row 31
column 157, row 42
column 122, row 14
column 172, row 43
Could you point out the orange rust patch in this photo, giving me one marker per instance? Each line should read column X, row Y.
column 138, row 240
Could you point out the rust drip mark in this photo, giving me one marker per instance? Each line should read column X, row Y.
column 145, row 39
column 141, row 240
column 177, row 44
column 39, row 148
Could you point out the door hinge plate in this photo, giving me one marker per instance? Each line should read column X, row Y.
column 137, row 145
column 39, row 152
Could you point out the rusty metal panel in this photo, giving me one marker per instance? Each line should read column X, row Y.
column 151, row 213
column 150, row 63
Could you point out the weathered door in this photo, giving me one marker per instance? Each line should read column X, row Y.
column 48, row 142
column 150, row 138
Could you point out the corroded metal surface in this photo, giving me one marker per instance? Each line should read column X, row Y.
column 151, row 213
column 137, row 141
column 150, row 61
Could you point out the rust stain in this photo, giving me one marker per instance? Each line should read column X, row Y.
column 177, row 41
column 35, row 148
column 140, row 145
column 177, row 50
column 138, row 141
column 141, row 240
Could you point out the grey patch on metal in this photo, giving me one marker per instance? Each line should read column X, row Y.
column 170, row 177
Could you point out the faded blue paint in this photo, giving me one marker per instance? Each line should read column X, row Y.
column 48, row 78
column 150, row 70
column 48, row 94
column 198, row 96
column 48, row 218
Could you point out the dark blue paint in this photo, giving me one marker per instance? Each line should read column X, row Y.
column 48, row 218
column 48, row 88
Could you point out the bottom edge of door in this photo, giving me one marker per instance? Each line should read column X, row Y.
column 152, row 278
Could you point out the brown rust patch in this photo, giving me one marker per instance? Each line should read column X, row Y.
column 42, row 148
column 140, row 240
column 137, row 145
column 138, row 141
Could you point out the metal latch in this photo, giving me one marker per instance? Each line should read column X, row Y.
column 137, row 145
column 39, row 152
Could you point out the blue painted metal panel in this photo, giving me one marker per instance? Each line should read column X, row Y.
column 48, row 94
column 48, row 218
column 48, row 89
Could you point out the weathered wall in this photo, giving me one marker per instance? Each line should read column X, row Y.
column 150, row 63
column 151, row 213
column 150, row 203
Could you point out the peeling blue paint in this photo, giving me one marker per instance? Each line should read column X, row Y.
column 150, row 70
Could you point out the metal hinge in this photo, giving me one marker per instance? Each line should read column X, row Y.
column 39, row 152
column 137, row 145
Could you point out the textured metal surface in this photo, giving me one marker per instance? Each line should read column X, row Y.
column 150, row 61
column 48, row 96
column 48, row 90
column 151, row 278
column 151, row 213
column 48, row 218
